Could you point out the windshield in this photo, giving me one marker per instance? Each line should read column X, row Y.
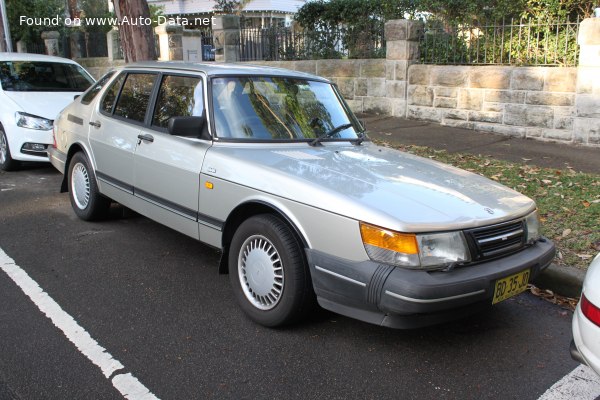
column 279, row 108
column 38, row 76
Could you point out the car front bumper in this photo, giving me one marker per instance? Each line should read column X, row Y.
column 18, row 137
column 404, row 298
column 585, row 347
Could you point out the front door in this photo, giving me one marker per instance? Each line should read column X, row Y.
column 167, row 167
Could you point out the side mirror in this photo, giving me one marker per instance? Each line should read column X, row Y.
column 187, row 126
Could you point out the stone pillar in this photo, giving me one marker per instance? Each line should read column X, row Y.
column 75, row 41
column 587, row 101
column 226, row 38
column 113, row 45
column 170, row 39
column 51, row 42
column 21, row 47
column 402, row 50
column 589, row 42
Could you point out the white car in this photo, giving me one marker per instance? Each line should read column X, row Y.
column 33, row 90
column 585, row 346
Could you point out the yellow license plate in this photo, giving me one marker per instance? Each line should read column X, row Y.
column 510, row 286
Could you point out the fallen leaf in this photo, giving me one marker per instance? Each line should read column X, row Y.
column 546, row 181
column 566, row 232
column 585, row 203
column 584, row 256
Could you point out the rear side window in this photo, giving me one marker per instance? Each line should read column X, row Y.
column 135, row 96
column 178, row 96
column 95, row 89
column 111, row 94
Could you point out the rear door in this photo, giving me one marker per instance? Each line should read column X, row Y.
column 115, row 126
column 167, row 168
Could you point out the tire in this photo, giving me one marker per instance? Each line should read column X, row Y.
column 268, row 272
column 6, row 161
column 86, row 200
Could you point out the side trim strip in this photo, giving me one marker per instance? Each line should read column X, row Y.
column 114, row 182
column 210, row 221
column 74, row 119
column 166, row 204
column 169, row 205
column 340, row 276
column 429, row 301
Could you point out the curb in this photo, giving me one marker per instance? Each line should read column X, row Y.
column 564, row 281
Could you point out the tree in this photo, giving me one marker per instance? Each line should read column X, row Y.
column 137, row 37
column 32, row 9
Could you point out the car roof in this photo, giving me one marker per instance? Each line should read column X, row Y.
column 220, row 69
column 33, row 57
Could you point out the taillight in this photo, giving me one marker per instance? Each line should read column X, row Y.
column 590, row 311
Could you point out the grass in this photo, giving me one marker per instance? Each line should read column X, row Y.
column 568, row 201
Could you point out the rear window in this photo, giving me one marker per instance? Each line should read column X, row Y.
column 108, row 101
column 95, row 89
column 38, row 76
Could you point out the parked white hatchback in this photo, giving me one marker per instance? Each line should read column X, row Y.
column 585, row 346
column 33, row 90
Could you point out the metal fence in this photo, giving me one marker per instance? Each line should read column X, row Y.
column 518, row 42
column 285, row 44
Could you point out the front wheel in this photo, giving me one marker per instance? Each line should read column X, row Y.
column 268, row 273
column 86, row 200
column 6, row 161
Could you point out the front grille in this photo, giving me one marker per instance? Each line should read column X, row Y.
column 497, row 240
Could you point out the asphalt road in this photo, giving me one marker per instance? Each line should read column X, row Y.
column 153, row 298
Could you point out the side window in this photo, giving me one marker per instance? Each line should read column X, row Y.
column 178, row 96
column 111, row 94
column 135, row 96
column 95, row 89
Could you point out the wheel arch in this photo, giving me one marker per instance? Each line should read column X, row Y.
column 75, row 148
column 249, row 209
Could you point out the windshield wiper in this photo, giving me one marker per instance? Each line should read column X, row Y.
column 329, row 134
column 361, row 138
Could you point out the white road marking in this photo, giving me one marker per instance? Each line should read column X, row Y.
column 581, row 384
column 125, row 383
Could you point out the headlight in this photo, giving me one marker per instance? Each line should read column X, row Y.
column 29, row 121
column 414, row 251
column 532, row 221
column 442, row 249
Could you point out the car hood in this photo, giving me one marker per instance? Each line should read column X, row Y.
column 370, row 183
column 42, row 104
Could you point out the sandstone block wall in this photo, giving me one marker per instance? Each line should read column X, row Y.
column 536, row 102
column 371, row 86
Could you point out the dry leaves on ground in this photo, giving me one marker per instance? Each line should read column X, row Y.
column 548, row 295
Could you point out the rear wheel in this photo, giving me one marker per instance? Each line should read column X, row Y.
column 86, row 200
column 6, row 161
column 268, row 273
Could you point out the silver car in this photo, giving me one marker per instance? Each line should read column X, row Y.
column 272, row 167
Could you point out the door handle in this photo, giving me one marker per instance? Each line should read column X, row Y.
column 95, row 124
column 146, row 138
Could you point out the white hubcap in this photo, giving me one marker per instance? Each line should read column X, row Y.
column 261, row 272
column 80, row 186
